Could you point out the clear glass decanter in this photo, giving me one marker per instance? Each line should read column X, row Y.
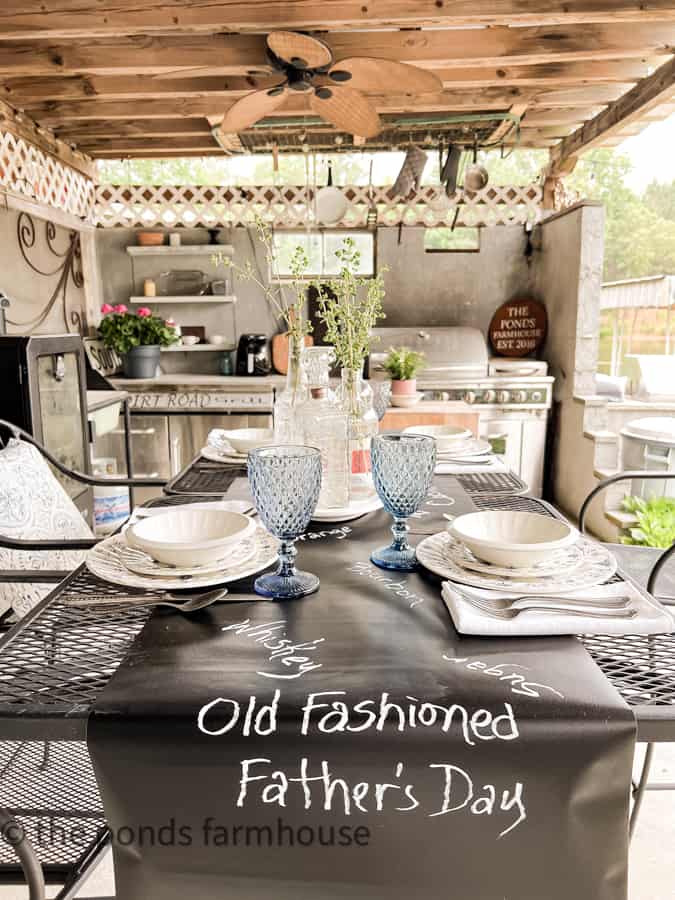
column 287, row 427
column 356, row 397
column 326, row 426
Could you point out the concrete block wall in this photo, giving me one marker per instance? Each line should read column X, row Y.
column 455, row 288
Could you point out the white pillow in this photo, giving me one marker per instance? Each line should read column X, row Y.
column 33, row 505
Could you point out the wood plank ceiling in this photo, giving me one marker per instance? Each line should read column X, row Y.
column 130, row 79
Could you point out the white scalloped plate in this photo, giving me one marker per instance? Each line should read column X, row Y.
column 598, row 566
column 563, row 561
column 104, row 560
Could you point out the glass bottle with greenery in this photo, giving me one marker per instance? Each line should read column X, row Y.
column 291, row 311
column 350, row 306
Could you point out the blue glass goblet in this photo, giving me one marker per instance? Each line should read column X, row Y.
column 403, row 466
column 285, row 483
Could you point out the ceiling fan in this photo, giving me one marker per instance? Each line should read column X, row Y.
column 336, row 92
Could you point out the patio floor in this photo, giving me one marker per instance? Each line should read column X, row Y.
column 652, row 855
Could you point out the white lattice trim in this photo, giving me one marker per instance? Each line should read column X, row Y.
column 292, row 206
column 29, row 172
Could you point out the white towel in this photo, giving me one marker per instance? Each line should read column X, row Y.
column 652, row 618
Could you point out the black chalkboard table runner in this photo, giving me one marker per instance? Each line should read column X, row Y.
column 351, row 744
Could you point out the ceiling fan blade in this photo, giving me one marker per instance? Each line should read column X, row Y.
column 379, row 76
column 253, row 107
column 300, row 50
column 347, row 109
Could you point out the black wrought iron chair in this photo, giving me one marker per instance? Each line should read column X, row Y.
column 31, row 760
column 656, row 570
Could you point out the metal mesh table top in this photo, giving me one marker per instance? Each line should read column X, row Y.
column 55, row 664
column 213, row 479
column 492, row 483
column 51, row 789
column 206, row 478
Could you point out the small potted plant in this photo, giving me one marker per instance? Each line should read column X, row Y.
column 136, row 337
column 403, row 365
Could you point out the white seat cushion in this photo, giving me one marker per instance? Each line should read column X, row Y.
column 34, row 506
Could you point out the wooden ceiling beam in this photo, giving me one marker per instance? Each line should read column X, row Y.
column 24, row 92
column 122, row 145
column 538, row 117
column 72, row 18
column 245, row 54
column 647, row 95
column 56, row 114
column 24, row 127
column 95, row 130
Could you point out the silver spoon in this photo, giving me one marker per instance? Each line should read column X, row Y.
column 185, row 603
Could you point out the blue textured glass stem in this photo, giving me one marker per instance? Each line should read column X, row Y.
column 400, row 530
column 287, row 555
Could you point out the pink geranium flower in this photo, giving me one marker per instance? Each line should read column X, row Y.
column 106, row 308
column 120, row 308
column 144, row 312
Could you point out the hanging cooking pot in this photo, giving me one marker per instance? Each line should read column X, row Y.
column 476, row 176
column 331, row 204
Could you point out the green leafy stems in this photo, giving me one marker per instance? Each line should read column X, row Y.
column 403, row 364
column 122, row 330
column 350, row 305
column 655, row 521
column 290, row 310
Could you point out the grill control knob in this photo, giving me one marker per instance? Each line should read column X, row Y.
column 490, row 396
column 470, row 397
column 503, row 397
column 520, row 397
column 537, row 397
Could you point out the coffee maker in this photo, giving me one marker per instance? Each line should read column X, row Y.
column 253, row 355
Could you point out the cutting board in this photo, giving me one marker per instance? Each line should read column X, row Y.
column 280, row 351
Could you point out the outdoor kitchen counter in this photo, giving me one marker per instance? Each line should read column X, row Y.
column 184, row 379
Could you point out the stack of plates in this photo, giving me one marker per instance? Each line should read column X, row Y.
column 582, row 565
column 234, row 446
column 184, row 548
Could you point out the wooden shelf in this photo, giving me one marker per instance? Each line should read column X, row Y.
column 199, row 298
column 195, row 348
column 183, row 250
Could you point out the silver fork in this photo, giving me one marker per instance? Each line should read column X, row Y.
column 513, row 602
column 186, row 603
column 615, row 612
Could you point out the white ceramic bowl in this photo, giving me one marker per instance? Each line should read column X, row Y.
column 189, row 537
column 446, row 436
column 513, row 539
column 189, row 340
column 244, row 439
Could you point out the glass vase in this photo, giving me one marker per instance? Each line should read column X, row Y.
column 287, row 425
column 325, row 425
column 356, row 397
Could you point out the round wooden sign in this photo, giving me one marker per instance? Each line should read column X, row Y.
column 518, row 327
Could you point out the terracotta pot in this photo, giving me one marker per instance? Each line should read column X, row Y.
column 404, row 388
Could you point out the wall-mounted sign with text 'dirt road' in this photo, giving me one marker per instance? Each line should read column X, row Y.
column 518, row 327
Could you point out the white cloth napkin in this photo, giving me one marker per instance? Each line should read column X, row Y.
column 652, row 618
column 450, row 468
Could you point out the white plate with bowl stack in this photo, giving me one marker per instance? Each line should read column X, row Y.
column 516, row 552
column 184, row 548
column 234, row 446
column 453, row 442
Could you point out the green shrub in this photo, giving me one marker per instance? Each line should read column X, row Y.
column 655, row 521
